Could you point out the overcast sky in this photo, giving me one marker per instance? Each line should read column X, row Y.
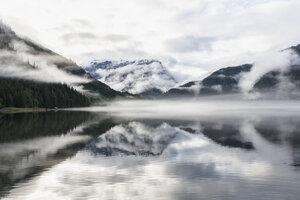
column 191, row 37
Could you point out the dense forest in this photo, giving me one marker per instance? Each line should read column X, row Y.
column 25, row 93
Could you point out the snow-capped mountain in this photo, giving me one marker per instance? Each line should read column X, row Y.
column 146, row 77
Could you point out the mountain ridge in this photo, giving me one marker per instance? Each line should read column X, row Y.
column 145, row 77
column 12, row 45
column 227, row 80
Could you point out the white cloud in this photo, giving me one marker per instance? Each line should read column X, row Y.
column 14, row 64
column 189, row 44
column 267, row 62
column 138, row 29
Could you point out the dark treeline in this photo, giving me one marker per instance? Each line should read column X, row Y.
column 35, row 126
column 25, row 93
column 21, row 126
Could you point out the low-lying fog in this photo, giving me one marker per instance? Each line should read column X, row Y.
column 196, row 107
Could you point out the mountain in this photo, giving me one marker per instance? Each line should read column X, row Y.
column 23, row 59
column 142, row 77
column 227, row 81
column 222, row 81
column 28, row 94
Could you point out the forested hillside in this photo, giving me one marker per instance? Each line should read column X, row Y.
column 20, row 58
column 25, row 93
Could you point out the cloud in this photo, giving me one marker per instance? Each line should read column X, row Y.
column 190, row 43
column 109, row 54
column 116, row 37
column 267, row 62
column 81, row 22
column 46, row 72
column 81, row 37
column 19, row 64
column 71, row 26
column 237, row 31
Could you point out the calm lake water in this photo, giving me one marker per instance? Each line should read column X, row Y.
column 96, row 155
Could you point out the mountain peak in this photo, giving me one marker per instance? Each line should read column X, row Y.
column 136, row 77
column 296, row 48
column 109, row 64
column 5, row 28
column 147, row 62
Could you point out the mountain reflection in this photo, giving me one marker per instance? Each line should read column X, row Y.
column 282, row 132
column 225, row 134
column 134, row 138
column 130, row 158
column 152, row 137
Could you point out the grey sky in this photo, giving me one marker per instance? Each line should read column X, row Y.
column 190, row 37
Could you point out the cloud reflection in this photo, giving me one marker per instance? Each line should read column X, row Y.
column 143, row 159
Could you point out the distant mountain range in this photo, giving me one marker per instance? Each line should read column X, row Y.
column 151, row 79
column 140, row 77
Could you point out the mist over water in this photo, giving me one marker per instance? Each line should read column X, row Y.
column 155, row 149
column 195, row 107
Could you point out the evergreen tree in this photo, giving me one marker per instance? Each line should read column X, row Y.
column 23, row 93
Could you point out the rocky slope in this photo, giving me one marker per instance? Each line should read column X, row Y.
column 142, row 77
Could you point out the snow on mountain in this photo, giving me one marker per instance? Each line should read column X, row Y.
column 148, row 77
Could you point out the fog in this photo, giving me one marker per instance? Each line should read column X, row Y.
column 26, row 64
column 45, row 72
column 267, row 62
column 210, row 106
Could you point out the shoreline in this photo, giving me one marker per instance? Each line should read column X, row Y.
column 21, row 110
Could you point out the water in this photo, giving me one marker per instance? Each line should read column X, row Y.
column 97, row 155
